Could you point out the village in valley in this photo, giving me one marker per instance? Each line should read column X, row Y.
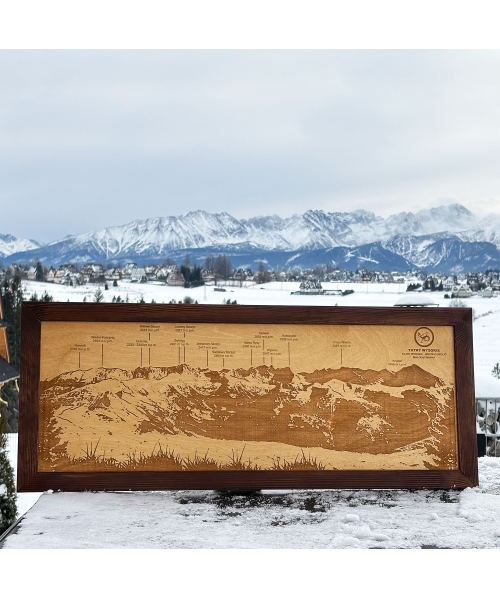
column 219, row 270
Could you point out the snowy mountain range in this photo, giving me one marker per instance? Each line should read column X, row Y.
column 445, row 238
column 11, row 245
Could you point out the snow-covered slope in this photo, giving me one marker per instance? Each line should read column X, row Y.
column 487, row 230
column 10, row 245
column 412, row 237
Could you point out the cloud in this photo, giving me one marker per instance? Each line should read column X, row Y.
column 90, row 138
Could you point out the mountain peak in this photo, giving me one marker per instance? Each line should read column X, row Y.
column 398, row 242
column 11, row 245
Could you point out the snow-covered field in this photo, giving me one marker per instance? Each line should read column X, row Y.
column 486, row 326
column 24, row 500
column 267, row 293
column 276, row 519
column 271, row 519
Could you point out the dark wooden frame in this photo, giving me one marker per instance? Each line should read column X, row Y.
column 33, row 313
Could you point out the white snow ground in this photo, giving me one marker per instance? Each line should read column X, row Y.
column 24, row 500
column 359, row 519
column 277, row 519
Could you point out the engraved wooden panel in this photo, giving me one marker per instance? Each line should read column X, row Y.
column 180, row 396
column 257, row 397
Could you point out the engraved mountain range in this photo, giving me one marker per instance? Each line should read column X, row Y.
column 345, row 409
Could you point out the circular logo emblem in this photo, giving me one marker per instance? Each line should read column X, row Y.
column 424, row 337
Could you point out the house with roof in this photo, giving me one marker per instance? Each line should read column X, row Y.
column 208, row 277
column 151, row 272
column 60, row 275
column 51, row 275
column 432, row 283
column 448, row 283
column 138, row 275
column 176, row 279
column 64, row 275
column 113, row 274
column 311, row 286
column 127, row 270
column 242, row 274
column 462, row 290
column 163, row 272
column 7, row 371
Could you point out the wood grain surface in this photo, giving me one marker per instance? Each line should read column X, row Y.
column 140, row 396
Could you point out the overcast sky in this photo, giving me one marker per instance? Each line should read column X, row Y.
column 90, row 139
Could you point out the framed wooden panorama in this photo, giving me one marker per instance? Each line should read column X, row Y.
column 144, row 397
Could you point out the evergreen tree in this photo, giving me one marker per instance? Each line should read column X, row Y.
column 39, row 271
column 192, row 276
column 98, row 296
column 12, row 297
column 8, row 496
column 496, row 371
column 196, row 276
column 115, row 283
column 10, row 394
column 186, row 273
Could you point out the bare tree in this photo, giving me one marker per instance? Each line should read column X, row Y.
column 169, row 262
column 210, row 263
column 263, row 275
column 223, row 266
